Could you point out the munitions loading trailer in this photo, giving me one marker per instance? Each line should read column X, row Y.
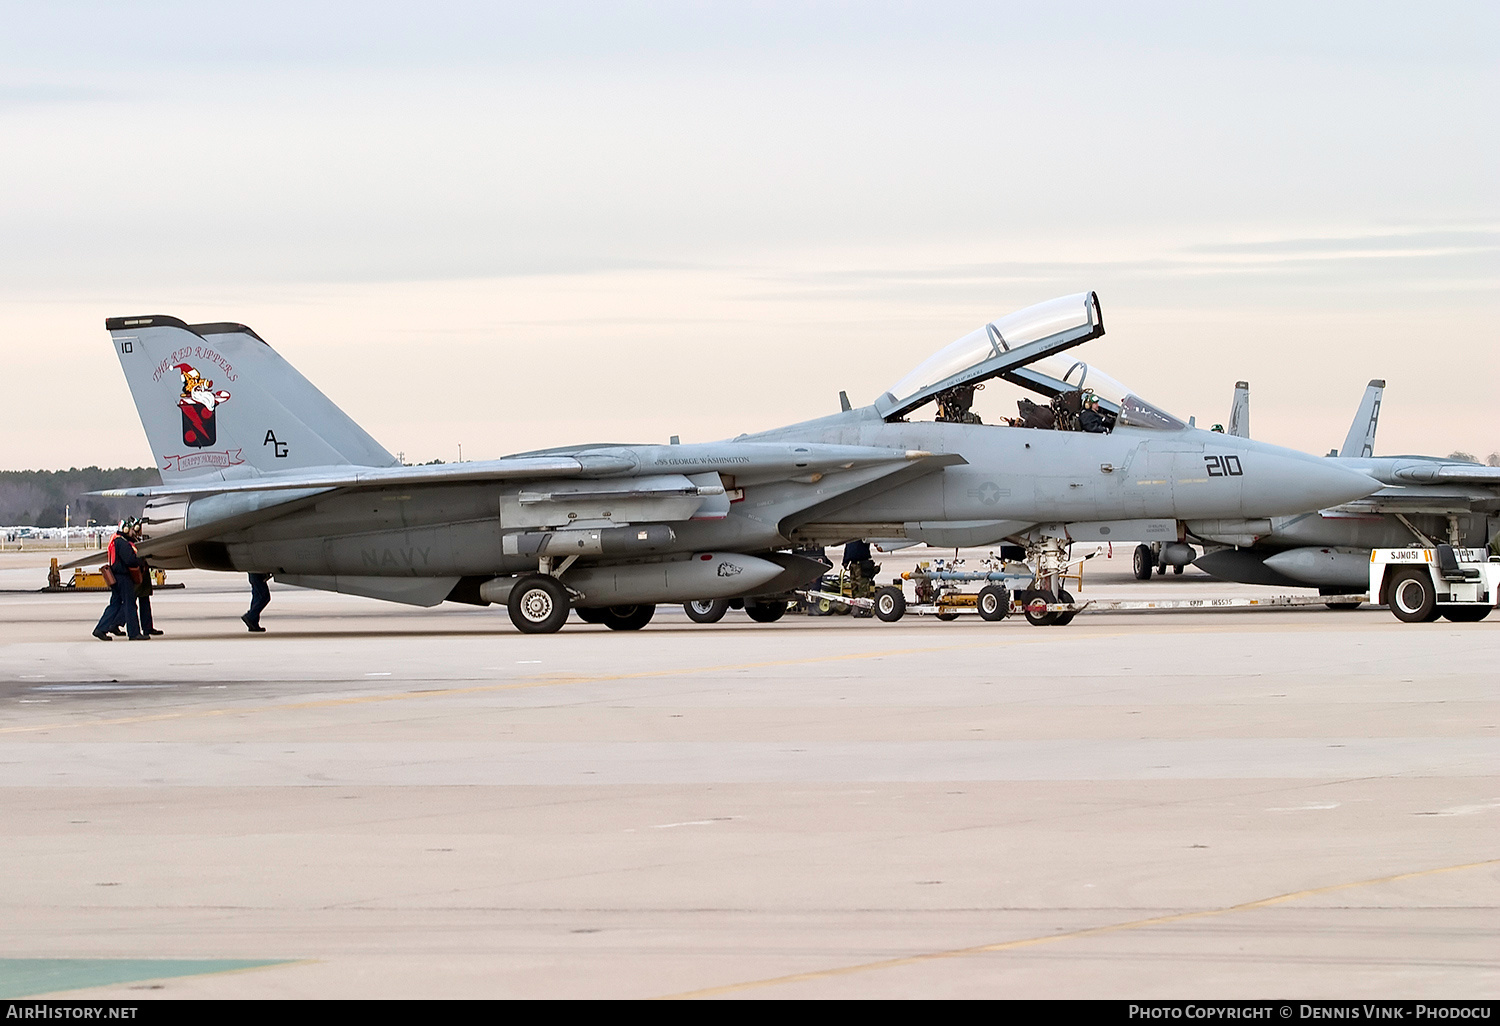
column 941, row 588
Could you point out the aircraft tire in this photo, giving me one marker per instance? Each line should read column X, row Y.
column 1464, row 614
column 1039, row 618
column 592, row 615
column 1178, row 568
column 1063, row 619
column 628, row 618
column 706, row 610
column 890, row 604
column 765, row 612
column 538, row 604
column 993, row 603
column 1142, row 562
column 1412, row 596
column 947, row 617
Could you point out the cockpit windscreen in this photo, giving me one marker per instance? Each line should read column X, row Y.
column 1136, row 412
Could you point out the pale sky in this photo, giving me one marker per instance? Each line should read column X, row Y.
column 515, row 226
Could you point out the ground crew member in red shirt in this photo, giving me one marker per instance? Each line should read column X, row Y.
column 122, row 607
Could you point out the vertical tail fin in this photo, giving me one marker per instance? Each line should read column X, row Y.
column 216, row 400
column 1361, row 438
column 1239, row 410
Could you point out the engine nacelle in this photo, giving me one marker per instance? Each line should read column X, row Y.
column 160, row 518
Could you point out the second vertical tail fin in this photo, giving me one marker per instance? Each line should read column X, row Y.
column 1361, row 438
column 1239, row 410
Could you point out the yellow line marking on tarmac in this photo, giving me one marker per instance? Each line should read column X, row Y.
column 892, row 963
column 524, row 684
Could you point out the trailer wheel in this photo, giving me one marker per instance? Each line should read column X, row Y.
column 946, row 617
column 765, row 612
column 993, row 603
column 1142, row 562
column 1465, row 614
column 1412, row 596
column 1063, row 619
column 1039, row 616
column 706, row 610
column 628, row 618
column 890, row 604
column 538, row 604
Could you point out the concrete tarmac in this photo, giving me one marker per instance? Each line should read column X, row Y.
column 374, row 801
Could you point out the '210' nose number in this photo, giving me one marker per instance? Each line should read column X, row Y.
column 1223, row 466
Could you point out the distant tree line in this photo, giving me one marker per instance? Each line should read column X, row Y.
column 37, row 498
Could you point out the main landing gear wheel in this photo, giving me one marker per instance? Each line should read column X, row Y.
column 590, row 615
column 1142, row 562
column 1465, row 614
column 890, row 604
column 1036, row 603
column 538, row 604
column 706, row 610
column 628, row 618
column 765, row 612
column 1412, row 596
column 993, row 603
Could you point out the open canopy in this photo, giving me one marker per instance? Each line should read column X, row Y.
column 1012, row 341
column 1026, row 348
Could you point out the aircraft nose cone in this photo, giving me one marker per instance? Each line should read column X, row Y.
column 1297, row 483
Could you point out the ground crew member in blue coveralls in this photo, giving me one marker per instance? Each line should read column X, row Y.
column 122, row 607
column 260, row 597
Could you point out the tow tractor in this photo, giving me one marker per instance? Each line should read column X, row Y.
column 1421, row 585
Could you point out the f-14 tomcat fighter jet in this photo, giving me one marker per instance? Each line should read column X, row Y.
column 262, row 473
column 1422, row 500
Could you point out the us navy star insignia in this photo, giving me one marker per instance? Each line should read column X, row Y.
column 988, row 493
